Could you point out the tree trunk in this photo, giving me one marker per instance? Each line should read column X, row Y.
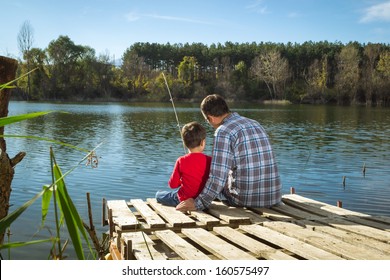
column 8, row 68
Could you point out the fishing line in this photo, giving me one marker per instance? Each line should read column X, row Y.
column 174, row 110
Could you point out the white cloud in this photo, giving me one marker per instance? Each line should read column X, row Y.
column 259, row 7
column 293, row 15
column 177, row 19
column 379, row 12
column 132, row 16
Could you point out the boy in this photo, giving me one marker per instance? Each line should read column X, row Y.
column 191, row 171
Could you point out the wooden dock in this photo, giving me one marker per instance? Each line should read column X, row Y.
column 299, row 229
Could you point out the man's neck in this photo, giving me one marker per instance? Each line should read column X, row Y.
column 220, row 119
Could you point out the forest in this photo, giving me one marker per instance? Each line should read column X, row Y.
column 310, row 72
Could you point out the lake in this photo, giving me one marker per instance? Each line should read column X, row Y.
column 137, row 145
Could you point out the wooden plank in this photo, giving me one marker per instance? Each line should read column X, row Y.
column 381, row 219
column 231, row 215
column 215, row 245
column 151, row 217
column 320, row 208
column 293, row 245
column 254, row 246
column 181, row 247
column 122, row 215
column 294, row 212
column 114, row 252
column 344, row 224
column 126, row 249
column 369, row 222
column 170, row 214
column 142, row 246
column 205, row 218
column 272, row 214
column 104, row 211
column 330, row 211
column 326, row 242
column 326, row 231
column 346, row 236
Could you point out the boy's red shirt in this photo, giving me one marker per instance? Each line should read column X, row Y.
column 190, row 173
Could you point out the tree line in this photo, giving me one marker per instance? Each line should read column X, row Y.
column 311, row 72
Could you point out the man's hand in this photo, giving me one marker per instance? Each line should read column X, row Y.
column 186, row 205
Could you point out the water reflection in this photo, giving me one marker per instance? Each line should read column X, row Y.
column 315, row 147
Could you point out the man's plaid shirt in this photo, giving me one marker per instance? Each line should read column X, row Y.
column 243, row 166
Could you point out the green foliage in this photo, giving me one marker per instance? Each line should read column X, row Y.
column 187, row 71
column 348, row 74
column 10, row 218
column 384, row 64
column 71, row 71
column 72, row 218
column 10, row 85
column 12, row 119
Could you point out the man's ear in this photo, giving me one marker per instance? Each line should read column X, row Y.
column 211, row 118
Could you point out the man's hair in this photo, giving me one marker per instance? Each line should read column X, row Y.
column 214, row 105
column 193, row 133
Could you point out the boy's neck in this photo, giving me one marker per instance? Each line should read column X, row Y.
column 198, row 149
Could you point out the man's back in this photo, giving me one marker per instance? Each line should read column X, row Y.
column 255, row 176
column 243, row 167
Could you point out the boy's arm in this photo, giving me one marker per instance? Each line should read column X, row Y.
column 175, row 179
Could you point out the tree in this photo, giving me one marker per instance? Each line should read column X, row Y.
column 25, row 43
column 368, row 77
column 317, row 78
column 273, row 70
column 225, row 82
column 347, row 78
column 65, row 69
column 384, row 64
column 188, row 70
column 239, row 79
column 7, row 74
column 38, row 79
column 383, row 69
column 135, row 72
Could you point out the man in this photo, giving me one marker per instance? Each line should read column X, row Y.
column 243, row 170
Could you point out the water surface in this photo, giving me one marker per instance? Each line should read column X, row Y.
column 315, row 146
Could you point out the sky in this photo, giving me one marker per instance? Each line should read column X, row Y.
column 112, row 26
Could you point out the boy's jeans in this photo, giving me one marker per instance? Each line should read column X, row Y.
column 168, row 198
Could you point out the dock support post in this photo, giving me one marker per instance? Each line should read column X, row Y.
column 129, row 250
column 119, row 240
column 111, row 223
column 104, row 207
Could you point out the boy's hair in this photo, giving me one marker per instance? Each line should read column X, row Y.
column 214, row 105
column 193, row 133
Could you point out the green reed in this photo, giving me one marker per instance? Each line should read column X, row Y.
column 64, row 208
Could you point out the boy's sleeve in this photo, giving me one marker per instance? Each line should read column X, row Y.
column 175, row 179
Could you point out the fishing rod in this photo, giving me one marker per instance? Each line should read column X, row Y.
column 174, row 110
